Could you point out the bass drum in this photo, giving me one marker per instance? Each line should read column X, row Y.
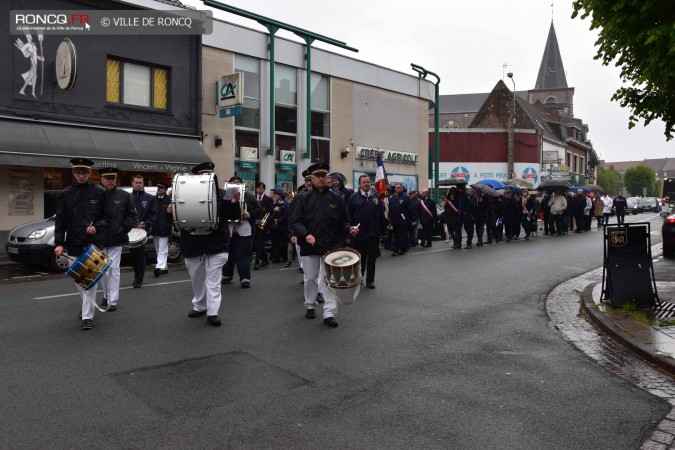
column 195, row 202
column 342, row 274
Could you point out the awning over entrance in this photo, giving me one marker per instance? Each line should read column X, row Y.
column 24, row 143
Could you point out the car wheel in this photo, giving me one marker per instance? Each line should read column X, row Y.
column 60, row 263
column 174, row 250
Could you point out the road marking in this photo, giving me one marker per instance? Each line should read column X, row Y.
column 75, row 294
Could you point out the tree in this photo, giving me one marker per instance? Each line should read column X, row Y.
column 609, row 180
column 640, row 177
column 640, row 37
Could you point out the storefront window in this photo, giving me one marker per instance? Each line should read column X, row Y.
column 250, row 118
column 285, row 85
column 320, row 150
column 320, row 124
column 245, row 139
column 286, row 119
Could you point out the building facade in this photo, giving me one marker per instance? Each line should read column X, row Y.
column 131, row 102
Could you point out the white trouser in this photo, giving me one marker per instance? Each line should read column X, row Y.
column 314, row 284
column 162, row 250
column 88, row 298
column 110, row 282
column 205, row 274
column 297, row 252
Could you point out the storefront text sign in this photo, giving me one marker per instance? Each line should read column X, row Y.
column 391, row 156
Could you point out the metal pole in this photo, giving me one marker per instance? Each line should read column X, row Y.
column 308, row 150
column 272, row 29
column 512, row 124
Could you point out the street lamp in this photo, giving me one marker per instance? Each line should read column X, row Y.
column 422, row 73
column 512, row 125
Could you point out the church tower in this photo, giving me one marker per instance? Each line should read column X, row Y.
column 551, row 87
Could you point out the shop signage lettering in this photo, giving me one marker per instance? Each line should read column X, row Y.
column 391, row 156
column 148, row 167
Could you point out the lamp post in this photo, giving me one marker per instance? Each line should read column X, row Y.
column 422, row 73
column 512, row 125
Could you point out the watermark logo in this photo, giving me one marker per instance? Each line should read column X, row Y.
column 111, row 22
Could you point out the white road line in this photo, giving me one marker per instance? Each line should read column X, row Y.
column 75, row 294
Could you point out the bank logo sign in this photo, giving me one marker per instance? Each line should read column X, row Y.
column 230, row 90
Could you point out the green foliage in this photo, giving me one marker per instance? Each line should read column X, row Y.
column 609, row 180
column 638, row 177
column 639, row 37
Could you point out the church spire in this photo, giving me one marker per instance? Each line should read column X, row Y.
column 551, row 71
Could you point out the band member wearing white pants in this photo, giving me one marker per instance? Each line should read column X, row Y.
column 319, row 222
column 80, row 222
column 120, row 213
column 161, row 230
column 206, row 253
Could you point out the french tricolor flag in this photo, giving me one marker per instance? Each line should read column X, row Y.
column 380, row 178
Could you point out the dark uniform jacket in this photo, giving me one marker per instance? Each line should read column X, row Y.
column 164, row 221
column 265, row 206
column 279, row 219
column 368, row 214
column 80, row 206
column 509, row 207
column 120, row 213
column 401, row 210
column 481, row 207
column 146, row 209
column 323, row 214
column 620, row 203
column 215, row 241
column 425, row 218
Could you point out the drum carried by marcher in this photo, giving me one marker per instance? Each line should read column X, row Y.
column 137, row 237
column 342, row 273
column 195, row 202
column 89, row 268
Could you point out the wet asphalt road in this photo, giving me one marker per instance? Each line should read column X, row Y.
column 454, row 349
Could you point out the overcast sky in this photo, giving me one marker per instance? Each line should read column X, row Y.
column 467, row 45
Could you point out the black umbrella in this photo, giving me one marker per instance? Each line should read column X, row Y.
column 452, row 182
column 485, row 189
column 595, row 188
column 554, row 185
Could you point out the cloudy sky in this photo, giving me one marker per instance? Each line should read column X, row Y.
column 467, row 45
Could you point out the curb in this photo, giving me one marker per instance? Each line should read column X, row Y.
column 619, row 334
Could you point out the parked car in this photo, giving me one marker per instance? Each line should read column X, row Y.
column 635, row 200
column 668, row 234
column 33, row 243
column 650, row 204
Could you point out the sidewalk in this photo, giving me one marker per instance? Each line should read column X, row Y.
column 651, row 335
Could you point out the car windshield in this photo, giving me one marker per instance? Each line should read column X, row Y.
column 630, row 203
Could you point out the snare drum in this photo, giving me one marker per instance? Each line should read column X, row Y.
column 89, row 267
column 137, row 237
column 195, row 201
column 342, row 273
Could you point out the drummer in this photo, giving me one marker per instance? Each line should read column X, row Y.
column 206, row 253
column 320, row 222
column 120, row 212
column 79, row 223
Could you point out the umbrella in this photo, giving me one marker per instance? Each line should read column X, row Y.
column 485, row 189
column 519, row 182
column 595, row 188
column 576, row 189
column 452, row 181
column 494, row 184
column 553, row 185
column 512, row 188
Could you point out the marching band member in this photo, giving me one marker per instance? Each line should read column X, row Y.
column 241, row 241
column 161, row 230
column 80, row 222
column 120, row 212
column 319, row 221
column 206, row 254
